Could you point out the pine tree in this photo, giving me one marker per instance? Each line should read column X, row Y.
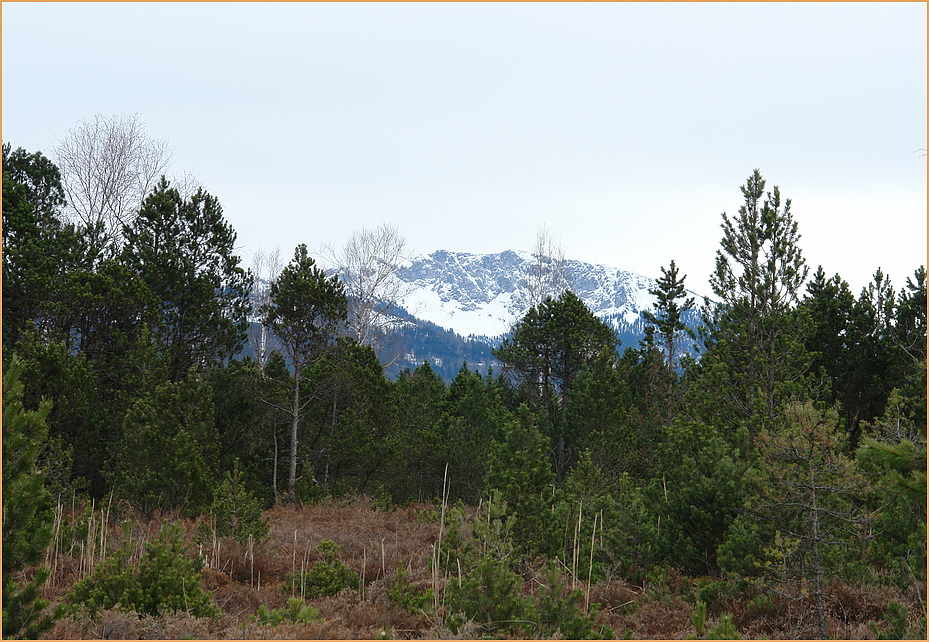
column 810, row 492
column 183, row 250
column 755, row 359
column 549, row 349
column 667, row 319
column 519, row 469
column 167, row 458
column 305, row 310
column 27, row 511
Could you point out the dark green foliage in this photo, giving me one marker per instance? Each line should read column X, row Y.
column 306, row 307
column 296, row 611
column 755, row 359
column 550, row 347
column 695, row 498
column 489, row 595
column 557, row 612
column 237, row 512
column 810, row 493
column 78, row 420
column 183, row 250
column 476, row 416
column 39, row 178
column 586, row 502
column 668, row 319
column 869, row 346
column 603, row 523
column 612, row 466
column 165, row 579
column 605, row 418
column 349, row 438
column 244, row 425
column 326, row 577
column 422, row 448
column 38, row 249
column 668, row 322
column 520, row 470
column 404, row 594
column 898, row 626
column 490, row 592
column 897, row 468
column 167, row 455
column 305, row 310
column 27, row 511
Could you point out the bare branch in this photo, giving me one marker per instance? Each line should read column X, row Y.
column 107, row 166
column 367, row 265
column 547, row 275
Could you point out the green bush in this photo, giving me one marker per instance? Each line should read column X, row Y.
column 402, row 593
column 166, row 578
column 325, row 578
column 167, row 457
column 557, row 611
column 490, row 596
column 724, row 629
column 898, row 625
column 27, row 511
column 296, row 611
column 237, row 512
column 698, row 617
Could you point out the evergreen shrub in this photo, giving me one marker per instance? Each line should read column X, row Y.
column 165, row 579
column 237, row 511
column 296, row 611
column 404, row 594
column 324, row 578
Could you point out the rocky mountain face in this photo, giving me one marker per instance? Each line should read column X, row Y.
column 482, row 295
column 462, row 304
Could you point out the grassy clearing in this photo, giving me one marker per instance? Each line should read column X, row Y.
column 399, row 595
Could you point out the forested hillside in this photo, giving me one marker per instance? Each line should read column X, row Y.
column 774, row 486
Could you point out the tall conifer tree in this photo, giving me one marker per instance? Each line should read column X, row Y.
column 305, row 310
column 756, row 353
column 667, row 318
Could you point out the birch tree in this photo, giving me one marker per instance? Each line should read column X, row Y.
column 367, row 265
column 546, row 275
column 108, row 165
column 266, row 266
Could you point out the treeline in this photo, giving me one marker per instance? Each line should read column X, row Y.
column 792, row 451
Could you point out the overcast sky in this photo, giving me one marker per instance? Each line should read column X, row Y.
column 626, row 129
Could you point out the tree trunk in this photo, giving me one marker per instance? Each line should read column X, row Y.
column 277, row 499
column 294, row 423
column 817, row 566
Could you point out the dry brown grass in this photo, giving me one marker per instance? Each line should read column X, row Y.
column 374, row 543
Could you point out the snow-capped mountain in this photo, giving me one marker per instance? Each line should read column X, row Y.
column 461, row 304
column 483, row 294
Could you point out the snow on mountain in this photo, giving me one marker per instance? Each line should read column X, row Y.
column 481, row 294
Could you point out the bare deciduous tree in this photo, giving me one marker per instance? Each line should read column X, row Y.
column 108, row 165
column 266, row 265
column 367, row 264
column 547, row 275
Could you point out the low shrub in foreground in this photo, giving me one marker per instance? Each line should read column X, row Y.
column 166, row 578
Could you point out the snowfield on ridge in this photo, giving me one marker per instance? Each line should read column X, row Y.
column 482, row 295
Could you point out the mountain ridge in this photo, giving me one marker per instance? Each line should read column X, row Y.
column 482, row 295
